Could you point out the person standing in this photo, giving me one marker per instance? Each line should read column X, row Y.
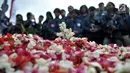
column 111, row 25
column 125, row 17
column 30, row 24
column 18, row 27
column 75, row 23
column 92, row 28
column 83, row 12
column 45, row 28
column 63, row 15
column 53, row 25
column 70, row 9
column 39, row 25
column 100, row 11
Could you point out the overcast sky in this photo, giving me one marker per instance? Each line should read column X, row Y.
column 40, row 7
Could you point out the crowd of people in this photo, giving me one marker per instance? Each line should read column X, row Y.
column 104, row 25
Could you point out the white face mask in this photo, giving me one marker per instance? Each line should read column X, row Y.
column 33, row 20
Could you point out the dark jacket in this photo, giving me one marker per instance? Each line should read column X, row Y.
column 89, row 23
column 63, row 19
column 30, row 27
column 29, row 24
column 14, row 29
column 81, row 17
column 76, row 26
column 125, row 24
column 4, row 23
column 53, row 28
column 111, row 25
column 39, row 28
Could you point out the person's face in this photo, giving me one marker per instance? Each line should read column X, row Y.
column 4, row 7
column 101, row 7
column 92, row 13
column 40, row 18
column 48, row 16
column 30, row 17
column 70, row 8
column 19, row 18
column 33, row 18
column 83, row 9
column 63, row 13
column 74, row 15
column 110, row 6
column 57, row 14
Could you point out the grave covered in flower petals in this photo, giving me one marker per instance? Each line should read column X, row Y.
column 21, row 53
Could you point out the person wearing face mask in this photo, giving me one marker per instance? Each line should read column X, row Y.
column 30, row 24
column 92, row 27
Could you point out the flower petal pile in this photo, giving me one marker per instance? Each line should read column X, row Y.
column 21, row 53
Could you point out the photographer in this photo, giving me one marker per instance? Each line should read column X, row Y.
column 124, row 14
column 111, row 24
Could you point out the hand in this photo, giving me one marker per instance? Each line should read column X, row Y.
column 76, row 32
column 96, row 29
column 113, row 27
column 92, row 30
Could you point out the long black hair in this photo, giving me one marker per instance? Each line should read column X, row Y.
column 83, row 6
column 48, row 17
column 114, row 8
